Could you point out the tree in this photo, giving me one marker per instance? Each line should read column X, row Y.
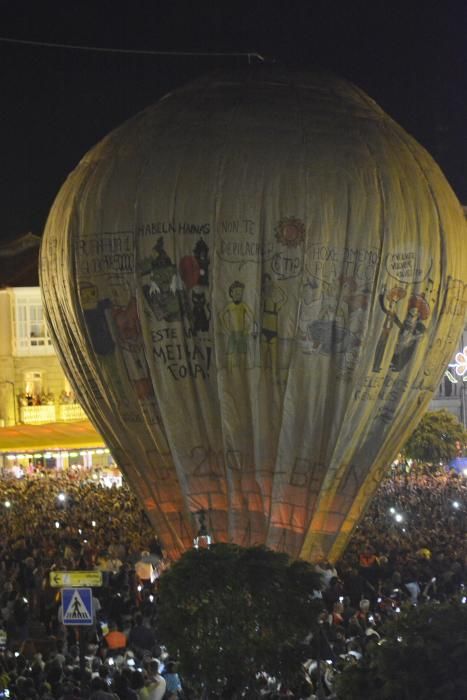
column 421, row 655
column 231, row 612
column 434, row 440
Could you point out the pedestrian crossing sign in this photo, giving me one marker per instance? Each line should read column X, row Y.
column 77, row 606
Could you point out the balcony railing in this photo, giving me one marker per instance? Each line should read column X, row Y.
column 34, row 415
column 70, row 412
column 37, row 414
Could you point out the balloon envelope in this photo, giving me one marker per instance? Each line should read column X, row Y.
column 254, row 287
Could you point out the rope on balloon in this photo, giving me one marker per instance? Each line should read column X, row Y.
column 145, row 52
column 246, row 542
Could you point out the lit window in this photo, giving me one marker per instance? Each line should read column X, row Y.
column 33, row 383
column 30, row 330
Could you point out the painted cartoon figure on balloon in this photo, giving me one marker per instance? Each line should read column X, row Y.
column 94, row 311
column 411, row 329
column 162, row 286
column 310, row 308
column 194, row 273
column 200, row 311
column 124, row 323
column 201, row 255
column 126, row 328
column 237, row 320
column 388, row 301
column 113, row 324
column 340, row 310
column 273, row 299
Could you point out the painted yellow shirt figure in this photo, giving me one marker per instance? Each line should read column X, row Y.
column 237, row 319
column 273, row 299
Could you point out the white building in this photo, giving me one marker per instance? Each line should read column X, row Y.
column 41, row 422
column 451, row 394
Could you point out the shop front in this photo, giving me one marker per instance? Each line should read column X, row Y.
column 75, row 447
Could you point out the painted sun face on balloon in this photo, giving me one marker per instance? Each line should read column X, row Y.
column 290, row 231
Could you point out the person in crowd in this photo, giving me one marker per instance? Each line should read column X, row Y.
column 115, row 640
column 142, row 638
column 154, row 684
column 173, row 683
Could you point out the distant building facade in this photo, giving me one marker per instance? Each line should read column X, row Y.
column 34, row 391
column 451, row 394
column 33, row 387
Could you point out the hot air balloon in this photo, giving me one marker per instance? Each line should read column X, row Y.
column 254, row 287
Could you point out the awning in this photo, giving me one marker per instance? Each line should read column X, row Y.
column 49, row 436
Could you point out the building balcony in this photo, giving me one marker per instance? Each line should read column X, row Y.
column 67, row 413
column 70, row 412
column 37, row 414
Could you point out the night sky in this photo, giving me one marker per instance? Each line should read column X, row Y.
column 56, row 103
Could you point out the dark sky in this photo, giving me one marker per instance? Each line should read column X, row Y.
column 410, row 57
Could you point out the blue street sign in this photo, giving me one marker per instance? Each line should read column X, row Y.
column 77, row 606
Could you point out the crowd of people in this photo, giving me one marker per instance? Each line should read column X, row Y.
column 63, row 523
column 409, row 548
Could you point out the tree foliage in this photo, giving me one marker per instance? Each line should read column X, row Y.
column 422, row 656
column 231, row 612
column 434, row 440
